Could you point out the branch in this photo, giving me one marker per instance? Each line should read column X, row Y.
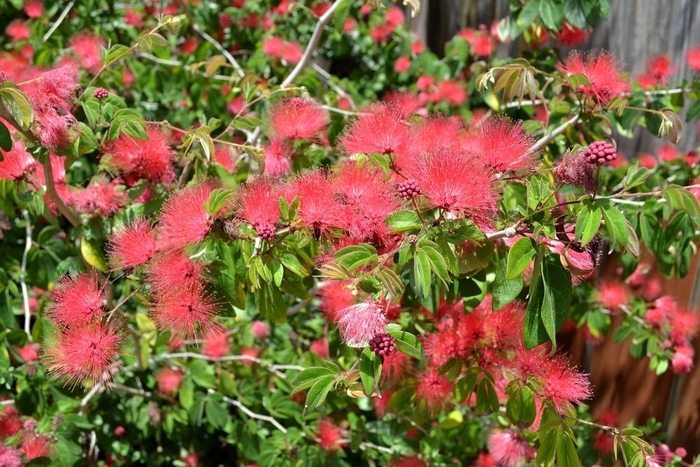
column 53, row 194
column 58, row 21
column 7, row 402
column 251, row 414
column 220, row 48
column 556, row 132
column 86, row 400
column 23, row 272
column 176, row 63
column 508, row 232
column 275, row 369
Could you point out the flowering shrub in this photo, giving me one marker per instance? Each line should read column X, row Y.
column 290, row 234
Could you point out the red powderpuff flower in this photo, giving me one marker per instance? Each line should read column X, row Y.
column 562, row 385
column 394, row 16
column 613, row 295
column 54, row 88
column 660, row 68
column 682, row 360
column 17, row 163
column 572, row 36
column 29, row 353
column 290, row 52
column 443, row 346
column 35, row 445
column 317, row 210
column 330, row 436
column 259, row 205
column 297, row 118
column 186, row 312
column 358, row 324
column 693, row 57
column 502, row 145
column 83, row 352
column 34, row 8
column 173, row 270
column 101, row 198
column 216, row 343
column 320, row 348
column 395, row 367
column 402, row 64
column 87, row 47
column 433, row 390
column 380, row 128
column 53, row 128
column 405, row 102
column 684, row 326
column 277, row 155
column 184, row 219
column 10, row 424
column 260, row 329
column 408, row 462
column 10, row 457
column 168, row 380
column 17, row 30
column 451, row 92
column 509, row 448
column 442, row 178
column 335, row 296
column 77, row 301
column 150, row 159
column 133, row 245
column 603, row 72
column 225, row 157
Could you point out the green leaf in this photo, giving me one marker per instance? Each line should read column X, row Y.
column 309, row 376
column 548, row 447
column 636, row 175
column 356, row 256
column 552, row 14
column 216, row 413
column 370, row 370
column 615, row 226
column 318, row 392
column 271, row 303
column 520, row 256
column 18, row 106
column 681, row 199
column 588, row 222
column 403, row 221
column 5, row 139
column 421, row 273
column 406, row 342
column 505, row 290
column 391, row 282
column 218, row 199
column 452, row 420
column 520, row 407
column 186, row 393
column 548, row 307
column 527, row 16
column 437, row 263
column 566, row 452
column 116, row 52
column 574, row 14
column 486, row 397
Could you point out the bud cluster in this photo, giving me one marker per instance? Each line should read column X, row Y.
column 266, row 232
column 100, row 93
column 408, row 189
column 382, row 344
column 600, row 152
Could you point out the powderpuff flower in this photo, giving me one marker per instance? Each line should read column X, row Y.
column 453, row 181
column 430, row 133
column 562, row 385
column 668, row 153
column 603, row 72
column 216, row 343
column 173, row 270
column 402, row 64
column 54, row 89
column 510, row 449
column 451, row 92
column 433, row 390
column 408, row 462
column 10, row 424
column 250, row 355
column 87, row 47
column 574, row 169
column 684, row 326
column 330, row 436
column 317, row 210
column 17, row 30
column 184, row 219
column 186, row 312
column 297, row 118
column 320, row 348
column 133, row 17
column 358, row 324
column 259, row 205
column 35, row 445
column 53, row 128
column 101, row 198
column 335, row 296
column 682, row 360
column 572, row 36
column 260, row 329
column 150, row 159
column 660, row 68
column 10, row 457
column 133, row 245
column 77, row 301
column 34, row 8
column 83, row 352
column 693, row 58
column 425, row 82
column 290, row 52
column 380, row 128
column 481, row 42
column 613, row 295
column 394, row 16
column 225, row 157
column 501, row 144
column 168, row 380
column 277, row 155
column 406, row 103
column 395, row 367
column 17, row 163
column 29, row 353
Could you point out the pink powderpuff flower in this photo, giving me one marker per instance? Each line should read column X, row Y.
column 684, row 326
column 380, row 128
column 317, row 210
column 133, row 245
column 83, row 352
column 406, row 103
column 509, row 449
column 440, row 174
column 660, row 68
column 320, row 348
column 173, row 270
column 216, row 343
column 29, row 353
column 682, row 360
column 693, row 58
column 297, row 118
column 394, row 16
column 17, row 163
column 429, row 134
column 168, row 380
column 408, row 462
column 502, row 145
column 260, row 329
column 34, row 8
column 402, row 64
column 102, row 198
column 10, row 457
column 358, row 324
column 35, row 446
column 330, row 436
column 572, row 36
column 76, row 302
column 10, row 424
column 425, row 82
column 433, row 390
column 54, row 89
column 17, row 30
column 133, row 17
column 150, row 159
column 259, row 205
column 603, row 72
column 186, row 312
column 668, row 153
column 277, row 153
column 335, row 296
column 184, row 219
column 290, row 52
column 451, row 92
column 613, row 295
column 87, row 47
column 252, row 355
column 223, row 155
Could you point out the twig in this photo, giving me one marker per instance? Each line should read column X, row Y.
column 251, row 414
column 556, row 132
column 53, row 194
column 58, row 21
column 23, row 272
column 366, row 445
column 508, row 232
column 176, row 63
column 86, row 400
column 329, row 81
column 349, row 113
column 132, row 391
column 7, row 402
column 220, row 48
column 233, row 358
